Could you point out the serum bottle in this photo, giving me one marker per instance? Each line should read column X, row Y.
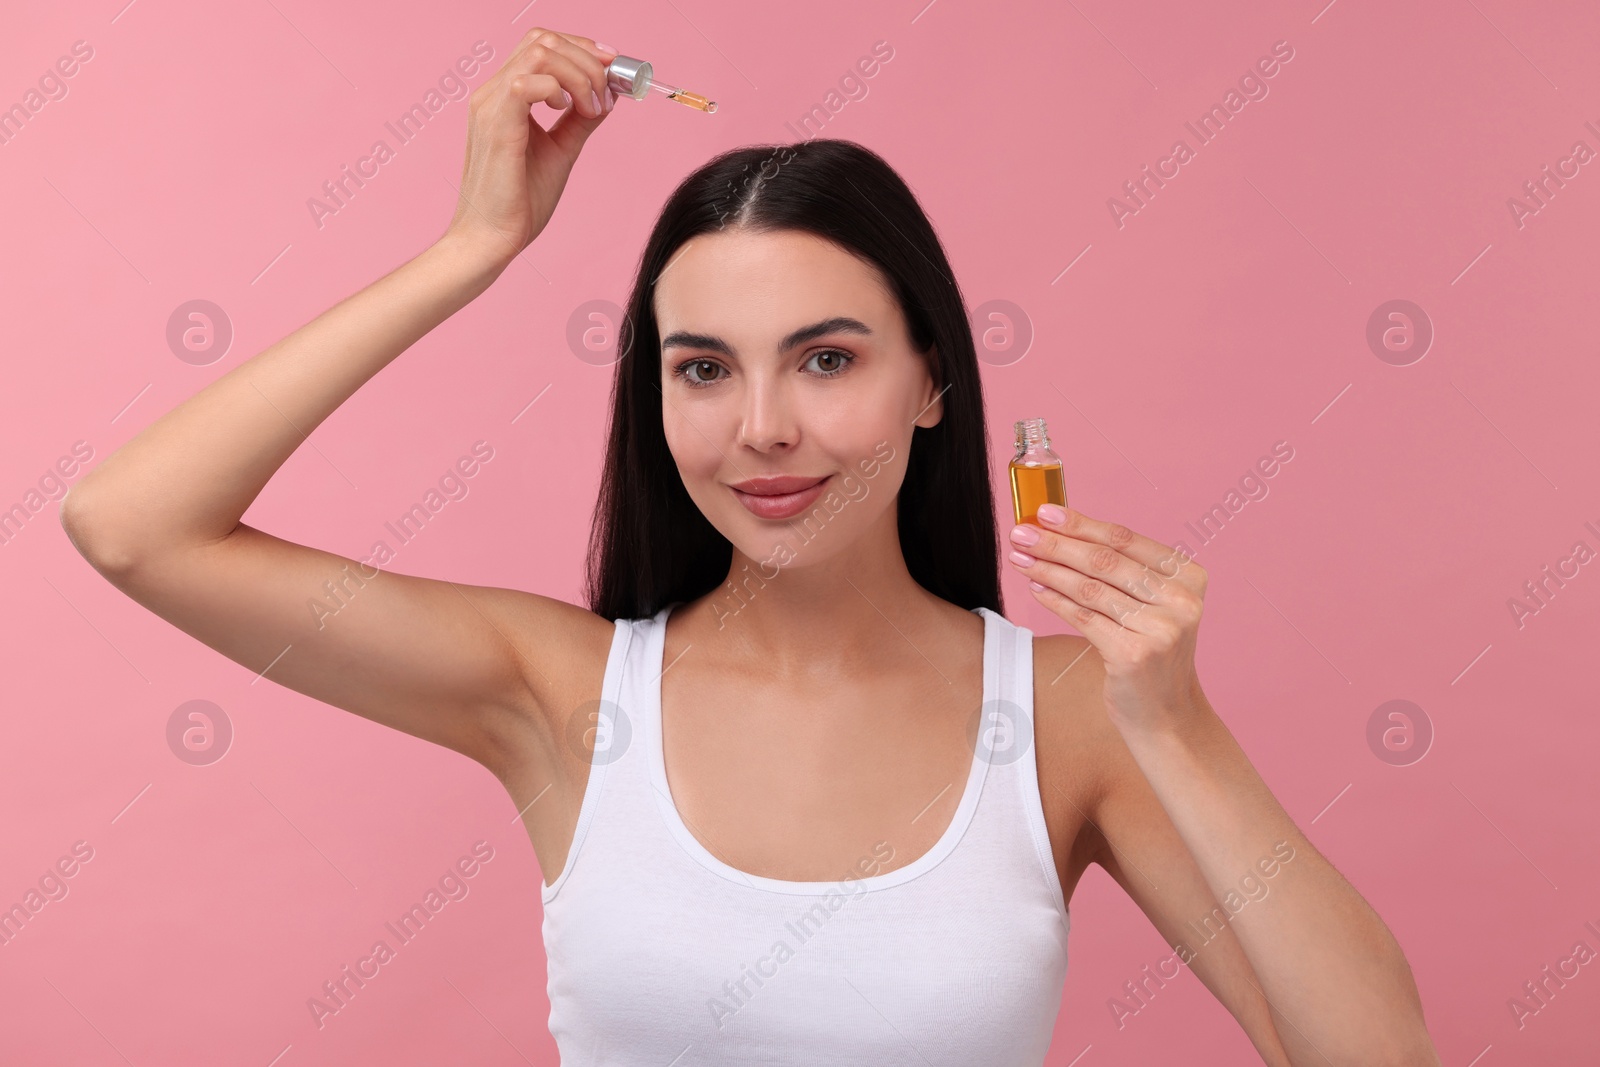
column 1035, row 472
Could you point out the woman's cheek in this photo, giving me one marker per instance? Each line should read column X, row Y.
column 696, row 460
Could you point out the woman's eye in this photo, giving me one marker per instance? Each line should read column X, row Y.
column 833, row 361
column 688, row 371
column 699, row 373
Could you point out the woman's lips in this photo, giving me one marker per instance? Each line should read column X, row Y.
column 780, row 506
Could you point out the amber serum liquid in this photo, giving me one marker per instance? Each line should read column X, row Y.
column 1036, row 476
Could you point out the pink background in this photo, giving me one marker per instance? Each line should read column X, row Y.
column 1228, row 314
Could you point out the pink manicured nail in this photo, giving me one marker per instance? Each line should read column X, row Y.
column 1021, row 559
column 605, row 48
column 1052, row 514
column 1035, row 586
column 1024, row 535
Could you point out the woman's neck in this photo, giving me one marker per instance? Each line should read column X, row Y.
column 824, row 607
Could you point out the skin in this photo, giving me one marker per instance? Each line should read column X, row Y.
column 807, row 678
column 840, row 670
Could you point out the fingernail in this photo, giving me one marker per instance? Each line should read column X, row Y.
column 605, row 48
column 594, row 96
column 1021, row 559
column 566, row 98
column 1024, row 535
column 1035, row 586
column 1052, row 514
column 611, row 100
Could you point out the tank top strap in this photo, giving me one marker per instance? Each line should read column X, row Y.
column 1005, row 734
column 1008, row 740
column 619, row 779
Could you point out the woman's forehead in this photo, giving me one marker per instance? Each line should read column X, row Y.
column 763, row 286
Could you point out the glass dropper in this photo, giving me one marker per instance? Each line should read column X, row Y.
column 635, row 77
column 683, row 96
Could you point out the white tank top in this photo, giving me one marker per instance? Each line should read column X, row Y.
column 659, row 953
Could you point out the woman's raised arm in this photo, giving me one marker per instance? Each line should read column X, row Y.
column 160, row 516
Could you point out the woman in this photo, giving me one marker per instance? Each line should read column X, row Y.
column 881, row 792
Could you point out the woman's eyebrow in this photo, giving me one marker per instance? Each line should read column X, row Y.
column 837, row 324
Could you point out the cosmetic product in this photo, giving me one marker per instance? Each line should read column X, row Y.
column 1035, row 472
column 635, row 78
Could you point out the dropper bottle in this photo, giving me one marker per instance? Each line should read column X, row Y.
column 635, row 77
column 1035, row 472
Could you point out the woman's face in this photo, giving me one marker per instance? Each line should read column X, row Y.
column 784, row 356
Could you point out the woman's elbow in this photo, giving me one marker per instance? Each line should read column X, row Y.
column 93, row 533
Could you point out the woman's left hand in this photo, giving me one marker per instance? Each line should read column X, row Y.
column 1137, row 600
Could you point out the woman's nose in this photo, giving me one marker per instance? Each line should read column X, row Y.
column 767, row 421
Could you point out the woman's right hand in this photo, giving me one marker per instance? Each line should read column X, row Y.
column 515, row 169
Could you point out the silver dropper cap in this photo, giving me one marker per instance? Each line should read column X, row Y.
column 629, row 77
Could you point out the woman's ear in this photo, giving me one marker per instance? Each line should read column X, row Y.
column 932, row 408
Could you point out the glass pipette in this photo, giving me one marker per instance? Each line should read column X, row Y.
column 635, row 77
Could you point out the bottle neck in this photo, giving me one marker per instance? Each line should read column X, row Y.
column 1031, row 434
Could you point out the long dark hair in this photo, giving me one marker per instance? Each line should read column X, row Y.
column 649, row 544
